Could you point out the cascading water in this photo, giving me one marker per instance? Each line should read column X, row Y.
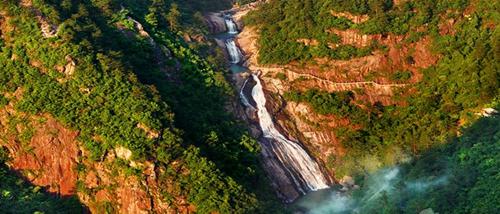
column 292, row 171
column 287, row 158
column 234, row 51
column 244, row 99
column 231, row 26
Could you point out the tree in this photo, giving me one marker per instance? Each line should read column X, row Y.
column 151, row 17
column 173, row 17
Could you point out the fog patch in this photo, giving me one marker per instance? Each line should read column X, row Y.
column 383, row 186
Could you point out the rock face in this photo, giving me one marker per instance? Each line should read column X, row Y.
column 48, row 154
column 216, row 23
column 126, row 193
column 291, row 168
column 368, row 77
column 353, row 37
column 69, row 68
column 54, row 159
column 48, row 29
column 308, row 42
column 51, row 160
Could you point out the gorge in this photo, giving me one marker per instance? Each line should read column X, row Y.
column 293, row 171
column 301, row 122
column 249, row 106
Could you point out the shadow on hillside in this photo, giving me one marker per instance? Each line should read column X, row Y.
column 18, row 195
column 198, row 99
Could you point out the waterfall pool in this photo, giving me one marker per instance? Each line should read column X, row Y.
column 223, row 36
column 235, row 68
column 322, row 201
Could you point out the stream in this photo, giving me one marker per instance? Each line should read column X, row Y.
column 292, row 170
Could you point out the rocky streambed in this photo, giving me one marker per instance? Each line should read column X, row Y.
column 291, row 168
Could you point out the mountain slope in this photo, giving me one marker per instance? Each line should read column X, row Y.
column 125, row 90
column 414, row 73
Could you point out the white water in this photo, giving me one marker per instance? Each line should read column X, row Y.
column 244, row 99
column 231, row 26
column 305, row 172
column 234, row 51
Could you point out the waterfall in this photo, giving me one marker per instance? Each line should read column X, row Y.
column 234, row 51
column 231, row 26
column 244, row 99
column 291, row 169
column 288, row 155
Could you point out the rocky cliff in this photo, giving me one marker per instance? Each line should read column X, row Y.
column 369, row 77
column 47, row 154
column 80, row 115
column 215, row 23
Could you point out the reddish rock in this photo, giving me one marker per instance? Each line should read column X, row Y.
column 132, row 197
column 51, row 159
column 369, row 77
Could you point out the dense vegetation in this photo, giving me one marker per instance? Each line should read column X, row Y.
column 123, row 81
column 326, row 103
column 465, row 79
column 284, row 22
column 458, row 177
column 449, row 176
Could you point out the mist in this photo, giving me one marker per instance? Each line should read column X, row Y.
column 379, row 192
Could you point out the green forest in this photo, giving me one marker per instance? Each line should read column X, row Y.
column 126, row 78
column 458, row 177
column 282, row 23
column 447, row 99
column 115, row 87
column 464, row 80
